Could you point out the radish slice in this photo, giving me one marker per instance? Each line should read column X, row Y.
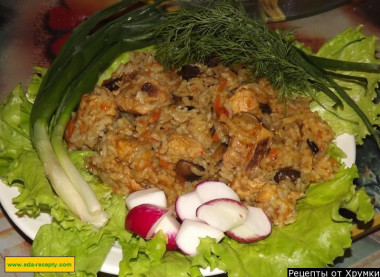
column 186, row 206
column 169, row 226
column 257, row 226
column 191, row 231
column 210, row 190
column 153, row 196
column 223, row 213
column 141, row 218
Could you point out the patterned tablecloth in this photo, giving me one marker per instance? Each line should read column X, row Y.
column 26, row 41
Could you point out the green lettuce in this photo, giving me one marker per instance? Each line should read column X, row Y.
column 14, row 126
column 89, row 248
column 351, row 45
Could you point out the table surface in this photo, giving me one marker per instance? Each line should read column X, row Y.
column 25, row 40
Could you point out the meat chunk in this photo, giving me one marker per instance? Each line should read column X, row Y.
column 184, row 146
column 244, row 99
column 123, row 154
column 249, row 142
column 276, row 200
column 143, row 95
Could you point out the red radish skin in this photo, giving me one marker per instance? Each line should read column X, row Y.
column 62, row 18
column 141, row 218
column 257, row 226
column 169, row 225
column 210, row 190
column 223, row 213
column 88, row 7
column 190, row 232
column 56, row 46
column 186, row 206
column 152, row 196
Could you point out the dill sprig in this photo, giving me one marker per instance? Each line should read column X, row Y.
column 223, row 30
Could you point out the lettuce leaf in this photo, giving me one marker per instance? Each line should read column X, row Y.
column 14, row 126
column 89, row 249
column 351, row 45
column 19, row 163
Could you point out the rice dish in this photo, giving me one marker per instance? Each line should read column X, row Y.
column 155, row 128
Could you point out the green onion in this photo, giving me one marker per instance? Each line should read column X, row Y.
column 344, row 65
column 88, row 52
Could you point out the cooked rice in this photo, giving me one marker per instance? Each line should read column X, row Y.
column 152, row 128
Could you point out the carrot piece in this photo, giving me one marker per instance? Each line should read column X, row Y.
column 173, row 73
column 273, row 154
column 145, row 134
column 69, row 130
column 155, row 116
column 103, row 107
column 222, row 84
column 164, row 164
column 215, row 137
column 218, row 107
column 154, row 64
column 195, row 90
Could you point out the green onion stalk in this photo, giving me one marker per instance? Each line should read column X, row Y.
column 88, row 52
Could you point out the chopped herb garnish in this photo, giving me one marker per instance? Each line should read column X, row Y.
column 225, row 31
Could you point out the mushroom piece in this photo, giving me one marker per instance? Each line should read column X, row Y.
column 112, row 84
column 287, row 172
column 189, row 71
column 258, row 154
column 313, row 146
column 265, row 108
column 189, row 171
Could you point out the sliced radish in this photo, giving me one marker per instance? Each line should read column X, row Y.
column 191, row 231
column 153, row 196
column 141, row 218
column 210, row 190
column 257, row 226
column 186, row 206
column 169, row 225
column 223, row 213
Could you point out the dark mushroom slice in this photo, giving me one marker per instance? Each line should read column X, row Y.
column 189, row 171
column 260, row 152
column 189, row 108
column 112, row 84
column 176, row 99
column 313, row 146
column 265, row 108
column 212, row 130
column 149, row 88
column 287, row 172
column 188, row 72
column 217, row 157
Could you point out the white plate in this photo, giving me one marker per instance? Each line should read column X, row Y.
column 29, row 226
